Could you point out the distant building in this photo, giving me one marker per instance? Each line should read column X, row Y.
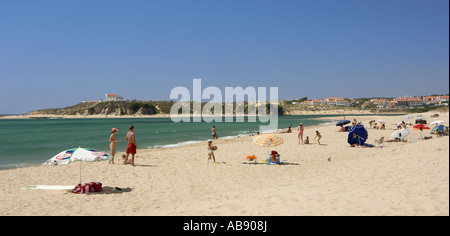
column 409, row 102
column 114, row 97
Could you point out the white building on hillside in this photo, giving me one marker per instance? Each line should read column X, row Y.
column 114, row 97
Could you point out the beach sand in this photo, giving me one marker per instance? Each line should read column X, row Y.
column 409, row 178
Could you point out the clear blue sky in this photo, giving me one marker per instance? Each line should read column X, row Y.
column 57, row 53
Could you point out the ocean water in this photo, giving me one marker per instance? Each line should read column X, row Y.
column 33, row 141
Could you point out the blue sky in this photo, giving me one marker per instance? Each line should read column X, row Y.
column 58, row 53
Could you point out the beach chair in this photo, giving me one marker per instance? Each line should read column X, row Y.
column 380, row 141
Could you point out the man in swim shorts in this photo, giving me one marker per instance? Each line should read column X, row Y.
column 132, row 146
column 213, row 132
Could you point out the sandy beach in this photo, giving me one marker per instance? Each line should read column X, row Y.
column 410, row 178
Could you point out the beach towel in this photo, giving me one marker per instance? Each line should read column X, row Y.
column 88, row 188
column 49, row 187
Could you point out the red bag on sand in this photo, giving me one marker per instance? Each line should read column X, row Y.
column 88, row 188
column 97, row 186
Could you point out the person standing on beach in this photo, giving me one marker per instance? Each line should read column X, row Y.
column 112, row 144
column 211, row 151
column 300, row 133
column 213, row 132
column 132, row 146
column 318, row 136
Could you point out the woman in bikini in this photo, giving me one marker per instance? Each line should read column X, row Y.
column 300, row 134
column 112, row 143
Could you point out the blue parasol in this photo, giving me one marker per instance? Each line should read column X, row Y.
column 342, row 122
column 357, row 135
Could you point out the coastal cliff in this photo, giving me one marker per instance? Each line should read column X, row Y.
column 121, row 108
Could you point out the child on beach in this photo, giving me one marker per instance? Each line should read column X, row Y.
column 318, row 136
column 307, row 140
column 125, row 159
column 211, row 151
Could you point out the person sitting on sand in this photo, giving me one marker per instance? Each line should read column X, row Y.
column 211, row 151
column 307, row 140
column 274, row 157
column 125, row 159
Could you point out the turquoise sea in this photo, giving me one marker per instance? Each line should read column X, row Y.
column 30, row 142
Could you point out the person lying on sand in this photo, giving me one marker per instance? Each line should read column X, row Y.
column 396, row 140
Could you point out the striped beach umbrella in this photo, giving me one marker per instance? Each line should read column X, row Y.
column 268, row 140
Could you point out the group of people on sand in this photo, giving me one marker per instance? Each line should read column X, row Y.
column 300, row 135
column 131, row 146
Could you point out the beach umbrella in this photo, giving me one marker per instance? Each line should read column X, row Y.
column 400, row 134
column 268, row 140
column 417, row 127
column 407, row 117
column 78, row 154
column 437, row 123
column 357, row 135
column 441, row 128
column 342, row 122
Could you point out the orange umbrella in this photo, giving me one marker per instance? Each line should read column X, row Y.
column 417, row 127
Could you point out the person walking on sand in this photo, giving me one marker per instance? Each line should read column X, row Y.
column 300, row 133
column 213, row 132
column 132, row 146
column 211, row 151
column 112, row 143
column 318, row 136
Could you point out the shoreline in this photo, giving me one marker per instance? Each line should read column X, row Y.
column 334, row 117
column 187, row 143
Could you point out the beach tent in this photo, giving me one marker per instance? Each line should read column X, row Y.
column 441, row 128
column 357, row 135
column 400, row 134
column 435, row 115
